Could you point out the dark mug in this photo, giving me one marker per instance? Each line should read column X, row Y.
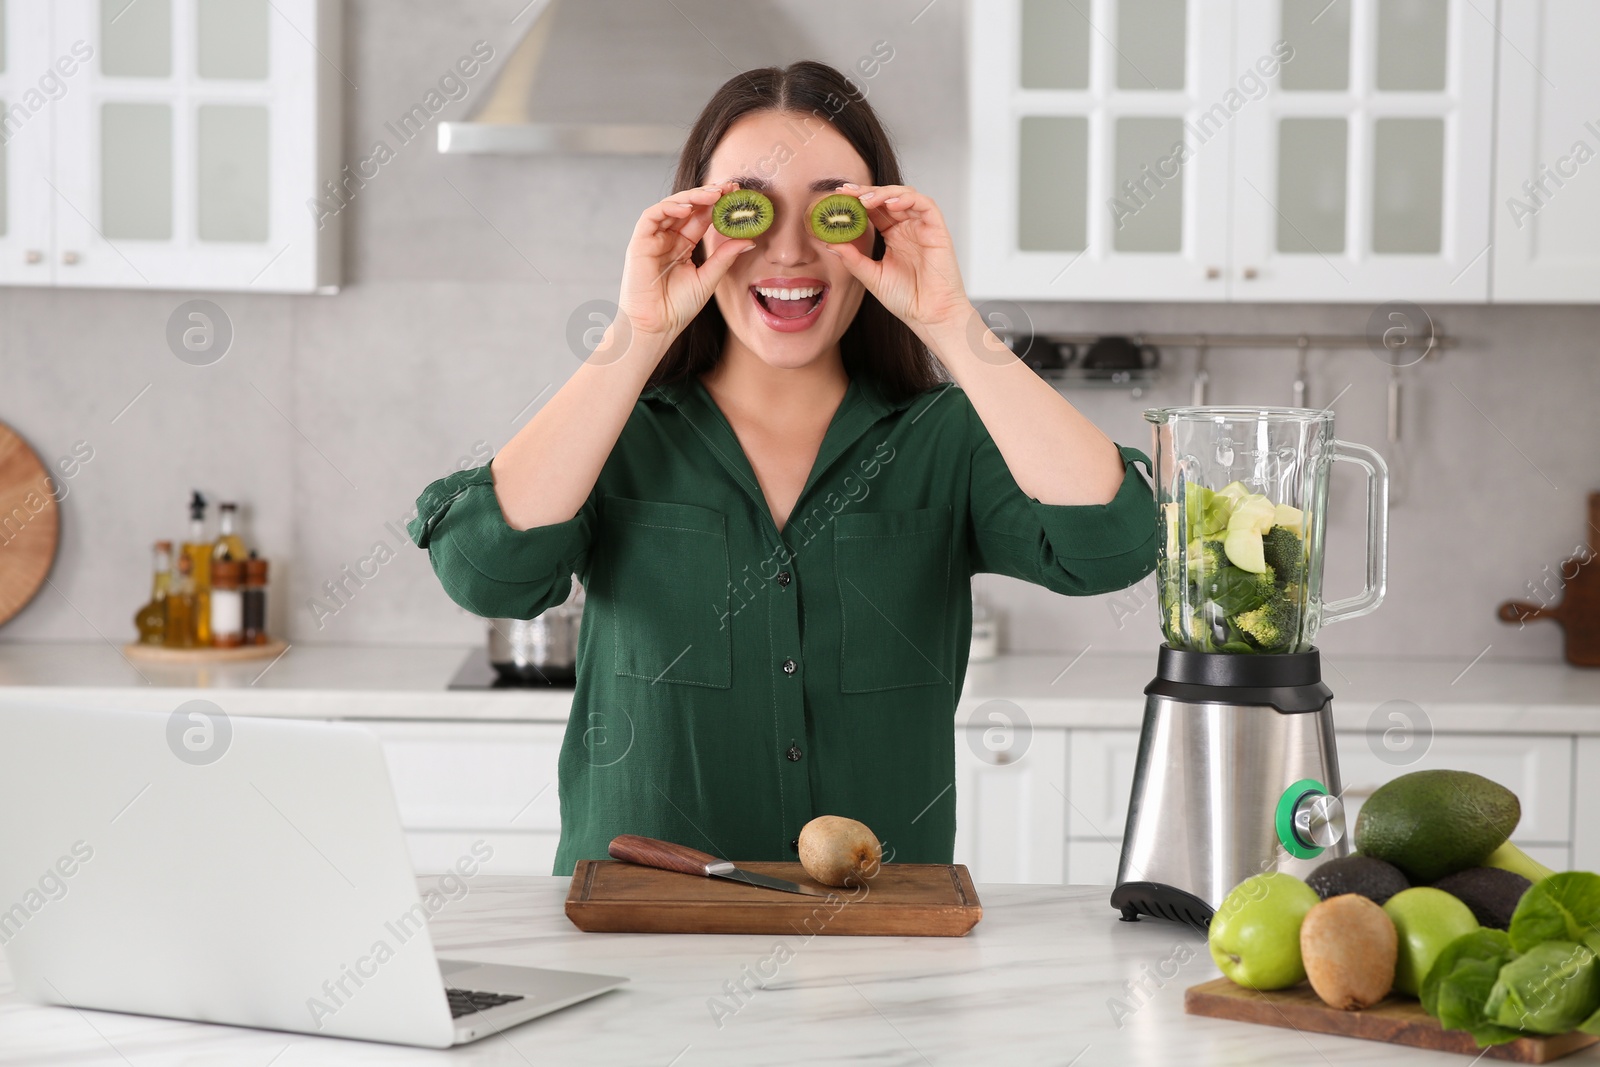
column 1119, row 353
column 1041, row 353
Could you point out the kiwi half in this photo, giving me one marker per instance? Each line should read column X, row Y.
column 742, row 214
column 838, row 218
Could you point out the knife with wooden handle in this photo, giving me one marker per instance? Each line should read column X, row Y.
column 648, row 852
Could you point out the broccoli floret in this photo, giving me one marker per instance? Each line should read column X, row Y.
column 1284, row 552
column 1272, row 625
column 1205, row 557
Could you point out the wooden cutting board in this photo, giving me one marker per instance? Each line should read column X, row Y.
column 1396, row 1020
column 1578, row 581
column 30, row 520
column 905, row 899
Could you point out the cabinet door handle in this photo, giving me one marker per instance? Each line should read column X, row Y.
column 1213, row 273
column 33, row 255
column 1249, row 274
column 69, row 258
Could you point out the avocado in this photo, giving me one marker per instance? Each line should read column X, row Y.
column 1434, row 823
column 1490, row 892
column 1355, row 873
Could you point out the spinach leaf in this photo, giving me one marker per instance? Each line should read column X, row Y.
column 1486, row 945
column 1562, row 907
column 1548, row 990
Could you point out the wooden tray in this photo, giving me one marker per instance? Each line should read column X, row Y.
column 1397, row 1020
column 905, row 899
column 199, row 657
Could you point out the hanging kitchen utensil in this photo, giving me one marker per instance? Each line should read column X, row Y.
column 29, row 523
column 1302, row 388
column 1202, row 375
column 1578, row 580
column 1399, row 483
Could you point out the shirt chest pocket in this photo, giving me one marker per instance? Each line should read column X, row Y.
column 893, row 570
column 666, row 585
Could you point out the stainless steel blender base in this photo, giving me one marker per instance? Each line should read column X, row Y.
column 1204, row 813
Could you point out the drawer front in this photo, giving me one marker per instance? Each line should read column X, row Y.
column 474, row 777
column 1102, row 777
column 1009, row 825
column 436, row 851
column 1538, row 769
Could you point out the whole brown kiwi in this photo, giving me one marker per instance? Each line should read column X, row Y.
column 839, row 851
column 1350, row 946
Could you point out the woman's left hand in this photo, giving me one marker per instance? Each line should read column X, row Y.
column 917, row 279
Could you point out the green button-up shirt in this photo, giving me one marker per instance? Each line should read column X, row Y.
column 734, row 681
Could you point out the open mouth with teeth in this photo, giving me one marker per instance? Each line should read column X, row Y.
column 792, row 307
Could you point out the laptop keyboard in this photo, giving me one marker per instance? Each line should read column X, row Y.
column 468, row 1001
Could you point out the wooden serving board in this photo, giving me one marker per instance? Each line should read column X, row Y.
column 1578, row 580
column 905, row 899
column 199, row 657
column 1397, row 1020
column 30, row 520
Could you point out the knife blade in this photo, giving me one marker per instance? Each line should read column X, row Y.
column 649, row 852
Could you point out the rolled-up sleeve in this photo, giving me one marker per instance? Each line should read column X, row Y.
column 1077, row 549
column 486, row 566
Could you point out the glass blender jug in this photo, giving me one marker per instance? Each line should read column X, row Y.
column 1243, row 495
column 1237, row 771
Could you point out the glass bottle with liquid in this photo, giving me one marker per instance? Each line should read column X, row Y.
column 227, row 603
column 198, row 551
column 228, row 545
column 151, row 620
column 180, row 606
column 255, row 601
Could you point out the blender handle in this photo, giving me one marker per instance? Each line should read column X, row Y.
column 1377, row 534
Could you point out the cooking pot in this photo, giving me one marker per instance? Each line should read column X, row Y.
column 543, row 649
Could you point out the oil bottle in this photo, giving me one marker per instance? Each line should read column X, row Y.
column 198, row 551
column 228, row 545
column 151, row 620
column 180, row 606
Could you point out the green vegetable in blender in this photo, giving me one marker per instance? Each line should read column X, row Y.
column 1271, row 627
column 1204, row 559
column 1283, row 551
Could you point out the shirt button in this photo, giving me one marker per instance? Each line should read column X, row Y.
column 794, row 753
column 784, row 577
column 790, row 666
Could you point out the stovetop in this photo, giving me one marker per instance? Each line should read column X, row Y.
column 476, row 672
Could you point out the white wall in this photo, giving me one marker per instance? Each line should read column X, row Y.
column 330, row 414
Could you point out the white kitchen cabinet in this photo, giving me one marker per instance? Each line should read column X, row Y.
column 1102, row 763
column 1080, row 188
column 1363, row 175
column 184, row 145
column 458, row 783
column 1547, row 154
column 28, row 85
column 1538, row 769
column 1259, row 150
column 1010, row 803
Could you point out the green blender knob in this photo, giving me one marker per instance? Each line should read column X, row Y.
column 1309, row 819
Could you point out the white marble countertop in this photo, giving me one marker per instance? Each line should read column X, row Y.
column 1081, row 690
column 1032, row 984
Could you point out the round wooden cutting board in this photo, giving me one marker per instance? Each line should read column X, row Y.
column 30, row 520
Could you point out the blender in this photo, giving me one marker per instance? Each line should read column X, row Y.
column 1236, row 772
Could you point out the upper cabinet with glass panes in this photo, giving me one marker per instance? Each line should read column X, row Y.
column 1325, row 150
column 181, row 144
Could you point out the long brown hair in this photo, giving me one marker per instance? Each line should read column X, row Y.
column 876, row 344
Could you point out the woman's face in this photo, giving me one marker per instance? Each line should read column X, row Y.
column 789, row 300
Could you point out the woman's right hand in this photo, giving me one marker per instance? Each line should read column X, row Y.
column 662, row 289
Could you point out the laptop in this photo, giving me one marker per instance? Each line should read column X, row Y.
column 234, row 870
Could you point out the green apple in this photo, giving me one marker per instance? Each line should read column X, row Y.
column 1255, row 934
column 1427, row 920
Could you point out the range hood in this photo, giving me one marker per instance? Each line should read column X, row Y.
column 615, row 77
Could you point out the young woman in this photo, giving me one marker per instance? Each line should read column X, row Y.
column 776, row 504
